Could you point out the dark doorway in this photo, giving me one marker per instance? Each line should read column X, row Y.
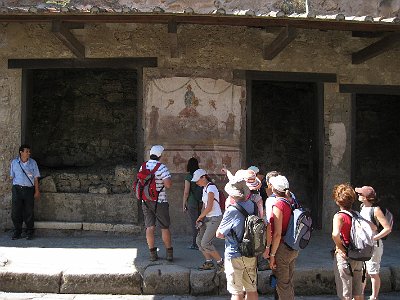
column 285, row 136
column 82, row 122
column 376, row 147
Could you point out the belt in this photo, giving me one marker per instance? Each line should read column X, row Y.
column 23, row 187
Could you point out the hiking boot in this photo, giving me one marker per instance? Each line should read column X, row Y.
column 153, row 254
column 208, row 265
column 16, row 236
column 170, row 254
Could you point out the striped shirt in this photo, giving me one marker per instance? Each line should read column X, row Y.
column 161, row 174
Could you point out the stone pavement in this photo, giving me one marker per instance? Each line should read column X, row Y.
column 110, row 264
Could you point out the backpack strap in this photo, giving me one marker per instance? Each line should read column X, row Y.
column 245, row 214
column 286, row 201
column 212, row 183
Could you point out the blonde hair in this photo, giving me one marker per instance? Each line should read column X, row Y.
column 344, row 195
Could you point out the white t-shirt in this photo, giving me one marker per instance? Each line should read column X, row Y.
column 216, row 210
column 269, row 203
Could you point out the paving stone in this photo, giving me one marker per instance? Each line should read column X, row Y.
column 166, row 279
column 263, row 282
column 18, row 280
column 314, row 281
column 386, row 282
column 204, row 282
column 101, row 281
column 396, row 277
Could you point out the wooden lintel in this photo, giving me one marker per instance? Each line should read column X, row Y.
column 367, row 34
column 89, row 63
column 173, row 38
column 376, row 48
column 286, row 35
column 68, row 39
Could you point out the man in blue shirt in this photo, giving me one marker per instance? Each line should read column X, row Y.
column 24, row 173
column 241, row 271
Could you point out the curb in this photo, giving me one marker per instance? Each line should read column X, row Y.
column 166, row 279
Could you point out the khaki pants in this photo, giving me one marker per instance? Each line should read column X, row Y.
column 285, row 259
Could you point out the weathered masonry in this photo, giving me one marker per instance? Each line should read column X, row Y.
column 309, row 88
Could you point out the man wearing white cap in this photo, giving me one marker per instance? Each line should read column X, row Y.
column 158, row 210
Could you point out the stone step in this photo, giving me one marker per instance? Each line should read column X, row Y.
column 87, row 208
column 88, row 227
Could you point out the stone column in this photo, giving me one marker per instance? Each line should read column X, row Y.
column 337, row 160
column 10, row 128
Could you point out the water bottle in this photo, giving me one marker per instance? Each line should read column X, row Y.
column 272, row 281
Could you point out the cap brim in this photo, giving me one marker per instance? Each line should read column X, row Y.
column 358, row 190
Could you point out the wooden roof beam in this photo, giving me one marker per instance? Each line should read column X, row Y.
column 284, row 38
column 173, row 38
column 375, row 49
column 62, row 31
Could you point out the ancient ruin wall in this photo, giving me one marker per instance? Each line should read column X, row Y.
column 203, row 49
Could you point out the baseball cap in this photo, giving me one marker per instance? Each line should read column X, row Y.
column 279, row 183
column 197, row 174
column 366, row 191
column 156, row 150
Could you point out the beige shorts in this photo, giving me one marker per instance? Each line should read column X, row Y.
column 347, row 285
column 241, row 275
column 374, row 264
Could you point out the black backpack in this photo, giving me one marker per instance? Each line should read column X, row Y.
column 254, row 238
column 388, row 215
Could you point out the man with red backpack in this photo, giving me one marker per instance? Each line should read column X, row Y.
column 151, row 192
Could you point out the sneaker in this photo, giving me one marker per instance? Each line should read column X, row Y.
column 208, row 265
column 220, row 266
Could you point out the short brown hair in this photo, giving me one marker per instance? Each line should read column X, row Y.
column 344, row 195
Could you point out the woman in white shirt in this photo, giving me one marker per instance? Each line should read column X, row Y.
column 208, row 221
column 369, row 210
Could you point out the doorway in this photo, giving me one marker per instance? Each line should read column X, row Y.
column 285, row 133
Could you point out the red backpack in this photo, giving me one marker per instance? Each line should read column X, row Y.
column 145, row 187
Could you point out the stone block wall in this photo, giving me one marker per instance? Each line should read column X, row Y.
column 71, row 107
column 207, row 52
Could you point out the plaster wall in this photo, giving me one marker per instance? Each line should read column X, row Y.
column 205, row 52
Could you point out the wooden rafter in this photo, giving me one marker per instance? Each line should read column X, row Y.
column 63, row 33
column 284, row 38
column 173, row 38
column 376, row 48
column 251, row 21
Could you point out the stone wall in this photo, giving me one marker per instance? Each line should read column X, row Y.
column 71, row 107
column 207, row 52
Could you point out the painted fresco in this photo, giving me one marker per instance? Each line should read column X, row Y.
column 198, row 117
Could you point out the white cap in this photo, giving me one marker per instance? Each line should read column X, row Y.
column 255, row 169
column 156, row 150
column 197, row 174
column 280, row 183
